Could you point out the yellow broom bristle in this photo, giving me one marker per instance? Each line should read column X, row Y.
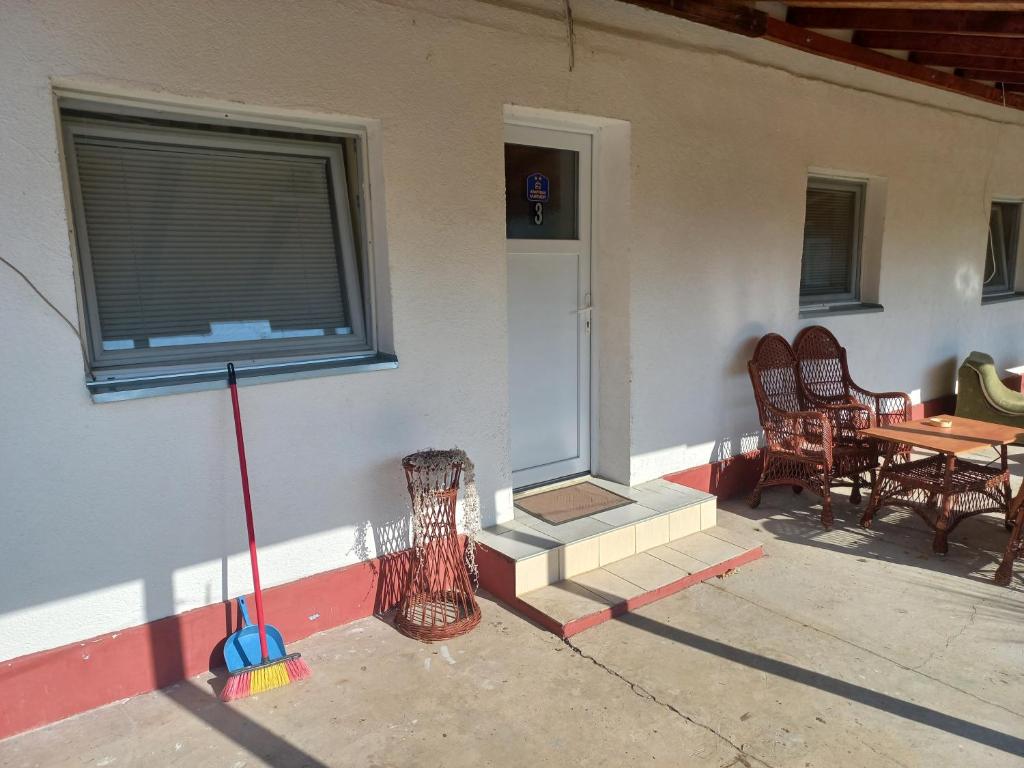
column 267, row 678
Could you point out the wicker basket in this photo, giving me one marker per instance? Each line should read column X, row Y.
column 438, row 601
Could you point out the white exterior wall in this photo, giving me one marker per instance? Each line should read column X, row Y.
column 122, row 513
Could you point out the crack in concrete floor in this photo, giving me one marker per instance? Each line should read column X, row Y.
column 949, row 642
column 742, row 756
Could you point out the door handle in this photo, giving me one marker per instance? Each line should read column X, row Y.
column 585, row 311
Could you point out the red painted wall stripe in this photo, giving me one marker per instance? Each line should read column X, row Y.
column 725, row 479
column 50, row 685
column 44, row 687
column 737, row 476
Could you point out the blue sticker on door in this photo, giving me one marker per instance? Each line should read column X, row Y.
column 538, row 188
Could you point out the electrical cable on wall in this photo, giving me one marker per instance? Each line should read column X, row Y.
column 570, row 34
column 986, row 206
column 50, row 304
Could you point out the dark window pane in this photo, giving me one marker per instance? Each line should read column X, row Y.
column 829, row 264
column 1001, row 250
column 193, row 245
column 541, row 186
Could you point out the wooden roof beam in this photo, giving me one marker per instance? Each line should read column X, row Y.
column 888, row 20
column 732, row 18
column 750, row 21
column 999, row 77
column 914, row 5
column 1003, row 47
column 967, row 62
column 840, row 50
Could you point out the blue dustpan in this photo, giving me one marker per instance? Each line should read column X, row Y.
column 242, row 648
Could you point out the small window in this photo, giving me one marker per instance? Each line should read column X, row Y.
column 1001, row 251
column 541, row 186
column 830, row 268
column 203, row 243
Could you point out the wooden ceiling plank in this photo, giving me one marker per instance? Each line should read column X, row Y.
column 913, row 5
column 999, row 77
column 840, row 50
column 888, row 20
column 751, row 21
column 732, row 18
column 972, row 45
column 967, row 62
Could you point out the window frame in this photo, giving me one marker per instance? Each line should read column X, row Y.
column 1010, row 255
column 349, row 191
column 852, row 296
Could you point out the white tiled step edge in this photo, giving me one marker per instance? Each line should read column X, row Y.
column 541, row 554
column 587, row 599
column 568, row 560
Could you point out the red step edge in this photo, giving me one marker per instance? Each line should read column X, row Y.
column 497, row 576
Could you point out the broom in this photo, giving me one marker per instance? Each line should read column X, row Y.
column 268, row 673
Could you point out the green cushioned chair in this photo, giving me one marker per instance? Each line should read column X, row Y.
column 982, row 395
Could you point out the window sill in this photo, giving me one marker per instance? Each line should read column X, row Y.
column 1002, row 298
column 840, row 309
column 131, row 388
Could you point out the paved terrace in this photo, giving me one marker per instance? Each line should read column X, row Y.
column 841, row 648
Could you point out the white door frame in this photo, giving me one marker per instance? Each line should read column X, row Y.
column 539, row 131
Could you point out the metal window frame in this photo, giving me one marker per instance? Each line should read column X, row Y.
column 1010, row 248
column 355, row 262
column 860, row 188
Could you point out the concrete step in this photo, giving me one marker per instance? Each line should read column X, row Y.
column 575, row 604
column 527, row 553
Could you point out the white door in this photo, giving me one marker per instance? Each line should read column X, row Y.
column 547, row 190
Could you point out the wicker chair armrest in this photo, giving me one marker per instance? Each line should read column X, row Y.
column 847, row 418
column 825, row 400
column 894, row 407
column 885, row 404
column 798, row 431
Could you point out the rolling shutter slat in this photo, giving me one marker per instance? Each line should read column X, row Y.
column 184, row 239
column 829, row 242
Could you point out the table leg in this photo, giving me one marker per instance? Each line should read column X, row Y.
column 1005, row 571
column 1007, row 492
column 876, row 497
column 939, row 544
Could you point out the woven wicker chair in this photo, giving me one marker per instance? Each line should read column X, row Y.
column 825, row 378
column 800, row 446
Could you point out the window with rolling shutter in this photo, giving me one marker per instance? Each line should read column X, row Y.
column 207, row 244
column 830, row 268
column 1001, row 250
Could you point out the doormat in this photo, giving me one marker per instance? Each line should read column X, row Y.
column 571, row 503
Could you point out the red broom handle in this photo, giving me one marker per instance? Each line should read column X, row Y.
column 258, row 593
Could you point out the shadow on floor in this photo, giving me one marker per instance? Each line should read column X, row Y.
column 963, row 729
column 955, row 726
column 897, row 535
column 244, row 731
column 169, row 667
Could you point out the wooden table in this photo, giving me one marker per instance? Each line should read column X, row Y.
column 943, row 489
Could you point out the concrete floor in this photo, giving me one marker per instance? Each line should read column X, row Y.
column 841, row 648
